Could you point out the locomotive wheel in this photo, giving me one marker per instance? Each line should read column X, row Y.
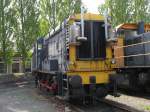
column 101, row 92
column 133, row 79
column 142, row 78
column 147, row 88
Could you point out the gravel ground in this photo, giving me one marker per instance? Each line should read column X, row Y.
column 23, row 99
column 21, row 96
column 139, row 103
column 17, row 77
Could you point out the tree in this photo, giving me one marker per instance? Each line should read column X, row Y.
column 53, row 12
column 6, row 31
column 68, row 7
column 27, row 28
column 22, row 21
column 140, row 10
column 126, row 11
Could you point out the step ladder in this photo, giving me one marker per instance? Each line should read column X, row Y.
column 65, row 84
column 66, row 45
column 65, row 88
column 62, row 84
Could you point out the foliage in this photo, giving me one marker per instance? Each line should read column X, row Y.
column 23, row 21
column 43, row 26
column 126, row 11
column 27, row 27
column 53, row 12
column 140, row 10
column 6, row 30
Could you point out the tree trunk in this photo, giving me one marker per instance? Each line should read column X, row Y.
column 23, row 64
column 23, row 35
column 3, row 37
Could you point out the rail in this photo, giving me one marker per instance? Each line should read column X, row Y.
column 119, row 105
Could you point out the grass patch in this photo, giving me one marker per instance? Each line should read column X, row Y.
column 147, row 107
column 18, row 74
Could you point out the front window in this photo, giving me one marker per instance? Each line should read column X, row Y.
column 95, row 45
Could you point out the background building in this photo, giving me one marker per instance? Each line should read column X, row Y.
column 14, row 67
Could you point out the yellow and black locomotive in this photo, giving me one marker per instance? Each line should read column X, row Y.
column 70, row 64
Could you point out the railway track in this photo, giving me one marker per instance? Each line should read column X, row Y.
column 104, row 105
column 101, row 105
column 119, row 105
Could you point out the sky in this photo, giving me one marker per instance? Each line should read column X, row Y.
column 92, row 5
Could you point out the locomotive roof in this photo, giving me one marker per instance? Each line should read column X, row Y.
column 52, row 34
column 132, row 26
column 86, row 16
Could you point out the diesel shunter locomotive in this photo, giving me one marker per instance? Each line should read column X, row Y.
column 132, row 55
column 73, row 66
